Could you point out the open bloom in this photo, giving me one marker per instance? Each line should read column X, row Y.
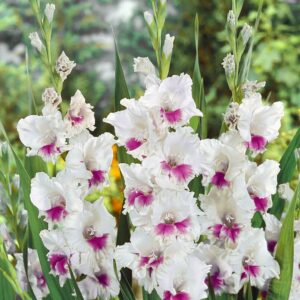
column 58, row 255
column 144, row 255
column 262, row 182
column 172, row 97
column 43, row 135
column 91, row 230
column 79, row 116
column 136, row 128
column 256, row 264
column 226, row 214
column 102, row 282
column 54, row 198
column 223, row 163
column 176, row 218
column 259, row 124
column 89, row 160
column 176, row 161
column 139, row 193
column 183, row 279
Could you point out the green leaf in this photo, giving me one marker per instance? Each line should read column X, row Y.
column 280, row 288
column 287, row 169
column 36, row 225
column 123, row 234
column 75, row 285
column 152, row 296
column 199, row 126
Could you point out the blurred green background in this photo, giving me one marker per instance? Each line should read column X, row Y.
column 84, row 30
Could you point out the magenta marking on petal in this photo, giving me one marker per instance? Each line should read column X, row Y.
column 232, row 232
column 41, row 280
column 156, row 262
column 49, row 149
column 183, row 225
column 261, row 204
column 144, row 261
column 103, row 279
column 252, row 270
column 75, row 120
column 173, row 116
column 56, row 213
column 217, row 230
column 216, row 281
column 165, row 229
column 243, row 275
column 98, row 242
column 181, row 172
column 219, row 180
column 271, row 245
column 133, row 144
column 264, row 294
column 58, row 263
column 179, row 296
column 257, row 143
column 142, row 198
column 97, row 177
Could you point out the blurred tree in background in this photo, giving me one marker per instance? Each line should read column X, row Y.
column 83, row 29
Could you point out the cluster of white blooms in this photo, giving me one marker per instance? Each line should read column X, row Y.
column 164, row 252
column 80, row 233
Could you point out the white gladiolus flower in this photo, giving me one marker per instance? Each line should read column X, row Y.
column 168, row 45
column 176, row 219
column 262, row 182
column 259, row 124
column 183, row 279
column 135, row 128
column 101, row 283
column 90, row 232
column 220, row 261
column 145, row 256
column 139, row 193
column 226, row 214
column 35, row 277
column 272, row 231
column 177, row 161
column 88, row 162
column 64, row 66
column 54, row 198
column 43, row 135
column 79, row 116
column 143, row 65
column 223, row 162
column 36, row 41
column 257, row 264
column 295, row 289
column 49, row 11
column 173, row 100
column 58, row 255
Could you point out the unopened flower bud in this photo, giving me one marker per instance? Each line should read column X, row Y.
column 229, row 64
column 168, row 45
column 231, row 19
column 143, row 65
column 246, row 33
column 50, row 96
column 251, row 87
column 64, row 66
column 49, row 11
column 148, row 17
column 231, row 116
column 36, row 41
